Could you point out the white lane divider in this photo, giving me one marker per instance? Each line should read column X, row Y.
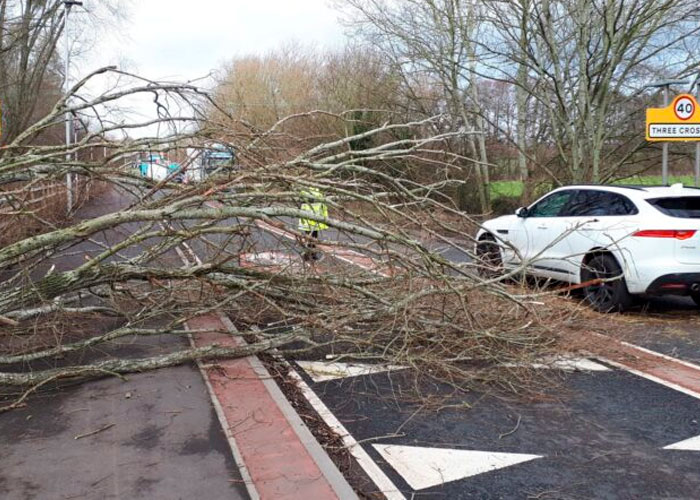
column 320, row 371
column 385, row 485
column 427, row 467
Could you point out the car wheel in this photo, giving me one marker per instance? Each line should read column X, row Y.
column 608, row 296
column 488, row 254
column 696, row 298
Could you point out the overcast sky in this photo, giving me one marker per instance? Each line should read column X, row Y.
column 186, row 39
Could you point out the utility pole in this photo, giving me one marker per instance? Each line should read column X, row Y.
column 67, row 4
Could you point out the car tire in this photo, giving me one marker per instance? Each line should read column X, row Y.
column 696, row 298
column 609, row 296
column 488, row 255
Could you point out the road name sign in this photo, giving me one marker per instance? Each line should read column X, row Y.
column 680, row 121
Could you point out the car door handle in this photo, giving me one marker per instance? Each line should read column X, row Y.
column 542, row 227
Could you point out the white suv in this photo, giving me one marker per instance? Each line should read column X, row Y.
column 621, row 240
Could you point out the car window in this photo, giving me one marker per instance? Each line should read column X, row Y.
column 685, row 207
column 552, row 205
column 591, row 202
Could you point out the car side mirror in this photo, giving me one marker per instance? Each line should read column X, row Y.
column 522, row 212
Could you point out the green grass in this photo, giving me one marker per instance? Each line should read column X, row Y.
column 514, row 189
column 644, row 180
column 506, row 189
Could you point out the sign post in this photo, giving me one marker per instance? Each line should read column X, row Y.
column 666, row 86
column 697, row 145
column 677, row 122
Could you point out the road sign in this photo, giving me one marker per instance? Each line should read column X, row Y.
column 680, row 121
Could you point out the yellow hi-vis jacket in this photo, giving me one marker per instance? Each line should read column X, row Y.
column 313, row 201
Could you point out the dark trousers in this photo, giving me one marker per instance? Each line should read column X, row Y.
column 313, row 238
column 310, row 244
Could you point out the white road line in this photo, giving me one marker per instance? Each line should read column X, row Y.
column 363, row 459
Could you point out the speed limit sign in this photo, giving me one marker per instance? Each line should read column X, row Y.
column 684, row 108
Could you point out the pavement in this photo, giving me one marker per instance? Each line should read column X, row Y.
column 623, row 422
column 155, row 435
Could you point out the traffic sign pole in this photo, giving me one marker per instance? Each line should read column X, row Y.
column 664, row 151
column 697, row 144
column 682, row 123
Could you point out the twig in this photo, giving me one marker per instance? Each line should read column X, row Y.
column 7, row 321
column 512, row 431
column 92, row 433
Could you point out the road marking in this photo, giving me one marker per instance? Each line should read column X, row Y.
column 692, row 444
column 563, row 363
column 427, row 467
column 343, row 254
column 676, row 374
column 385, row 485
column 268, row 259
column 320, row 371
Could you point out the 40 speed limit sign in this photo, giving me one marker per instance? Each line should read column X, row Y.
column 680, row 121
column 684, row 107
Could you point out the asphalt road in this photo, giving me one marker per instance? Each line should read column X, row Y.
column 601, row 433
column 604, row 433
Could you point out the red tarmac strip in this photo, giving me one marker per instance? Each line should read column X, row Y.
column 278, row 462
column 663, row 369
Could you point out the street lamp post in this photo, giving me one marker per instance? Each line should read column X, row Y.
column 67, row 4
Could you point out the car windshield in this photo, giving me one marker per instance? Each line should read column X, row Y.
column 685, row 207
column 219, row 162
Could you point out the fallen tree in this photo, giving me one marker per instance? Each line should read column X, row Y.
column 161, row 252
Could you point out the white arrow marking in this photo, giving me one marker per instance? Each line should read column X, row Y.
column 321, row 372
column 426, row 467
column 692, row 444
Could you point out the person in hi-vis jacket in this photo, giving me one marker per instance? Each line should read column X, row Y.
column 312, row 201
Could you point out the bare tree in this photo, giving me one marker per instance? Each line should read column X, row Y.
column 31, row 74
column 432, row 39
column 584, row 63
